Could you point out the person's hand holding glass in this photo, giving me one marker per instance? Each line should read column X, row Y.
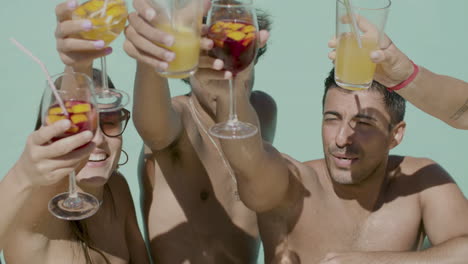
column 43, row 162
column 90, row 26
column 182, row 19
column 359, row 31
column 166, row 35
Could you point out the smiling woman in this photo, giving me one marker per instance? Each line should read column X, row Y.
column 111, row 235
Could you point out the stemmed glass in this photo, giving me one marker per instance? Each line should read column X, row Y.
column 76, row 91
column 108, row 18
column 233, row 28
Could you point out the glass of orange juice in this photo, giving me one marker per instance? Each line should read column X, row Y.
column 183, row 20
column 359, row 28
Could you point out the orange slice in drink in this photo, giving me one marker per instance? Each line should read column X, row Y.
column 78, row 118
column 73, row 129
column 107, row 24
column 55, row 111
column 217, row 27
column 236, row 26
column 248, row 39
column 248, row 29
column 54, row 118
column 80, row 108
column 236, row 35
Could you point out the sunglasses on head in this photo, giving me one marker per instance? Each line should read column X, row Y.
column 113, row 124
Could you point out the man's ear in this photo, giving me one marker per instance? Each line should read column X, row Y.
column 264, row 35
column 397, row 133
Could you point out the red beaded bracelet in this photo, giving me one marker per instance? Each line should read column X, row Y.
column 404, row 83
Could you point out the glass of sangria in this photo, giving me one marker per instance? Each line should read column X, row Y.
column 183, row 20
column 76, row 91
column 108, row 18
column 233, row 29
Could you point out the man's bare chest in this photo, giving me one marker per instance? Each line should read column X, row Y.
column 322, row 227
column 194, row 169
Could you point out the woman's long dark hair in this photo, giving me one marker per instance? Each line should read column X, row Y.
column 79, row 228
column 81, row 234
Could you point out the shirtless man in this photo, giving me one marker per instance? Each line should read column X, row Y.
column 190, row 201
column 441, row 96
column 358, row 204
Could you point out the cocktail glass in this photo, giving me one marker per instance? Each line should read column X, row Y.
column 108, row 18
column 233, row 29
column 76, row 90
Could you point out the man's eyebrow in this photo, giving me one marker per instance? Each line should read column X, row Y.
column 365, row 116
column 332, row 113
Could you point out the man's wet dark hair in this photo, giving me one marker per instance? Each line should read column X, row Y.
column 394, row 103
column 97, row 79
column 264, row 23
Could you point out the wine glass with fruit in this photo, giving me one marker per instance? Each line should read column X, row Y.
column 233, row 29
column 108, row 18
column 76, row 92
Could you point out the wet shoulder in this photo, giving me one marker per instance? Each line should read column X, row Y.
column 306, row 172
column 319, row 167
column 180, row 102
column 413, row 166
column 416, row 173
column 146, row 162
column 263, row 100
column 315, row 164
column 120, row 193
column 266, row 109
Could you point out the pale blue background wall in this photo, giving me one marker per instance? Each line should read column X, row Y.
column 432, row 32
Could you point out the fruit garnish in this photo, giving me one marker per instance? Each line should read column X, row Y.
column 219, row 43
column 248, row 39
column 235, row 26
column 236, row 35
column 80, row 11
column 80, row 108
column 248, row 29
column 93, row 5
column 225, row 24
column 55, row 111
column 54, row 118
column 116, row 10
column 79, row 118
column 107, row 24
column 73, row 129
column 217, row 27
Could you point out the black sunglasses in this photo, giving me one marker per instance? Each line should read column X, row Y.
column 113, row 124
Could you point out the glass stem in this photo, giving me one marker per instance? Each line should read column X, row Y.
column 72, row 185
column 105, row 85
column 232, row 103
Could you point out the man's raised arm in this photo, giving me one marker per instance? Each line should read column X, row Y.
column 262, row 173
column 155, row 118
